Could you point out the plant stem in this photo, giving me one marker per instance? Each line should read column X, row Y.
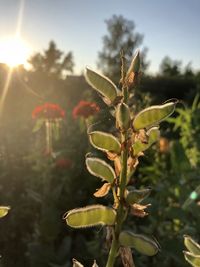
column 121, row 214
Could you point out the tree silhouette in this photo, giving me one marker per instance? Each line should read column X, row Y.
column 169, row 67
column 121, row 36
column 52, row 61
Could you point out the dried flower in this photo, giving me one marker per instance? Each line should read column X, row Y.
column 139, row 210
column 85, row 109
column 48, row 111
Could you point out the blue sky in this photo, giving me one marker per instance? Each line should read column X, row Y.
column 169, row 27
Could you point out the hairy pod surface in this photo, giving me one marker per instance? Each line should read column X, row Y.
column 101, row 169
column 191, row 245
column 4, row 211
column 137, row 195
column 194, row 260
column 89, row 216
column 105, row 141
column 153, row 135
column 101, row 84
column 123, row 116
column 153, row 115
column 141, row 243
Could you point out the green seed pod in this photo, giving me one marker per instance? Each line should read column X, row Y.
column 100, row 168
column 191, row 245
column 153, row 135
column 137, row 195
column 123, row 116
column 101, row 84
column 89, row 216
column 135, row 64
column 153, row 115
column 141, row 243
column 4, row 211
column 194, row 260
column 105, row 142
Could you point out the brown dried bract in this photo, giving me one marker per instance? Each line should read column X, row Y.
column 132, row 163
column 118, row 167
column 103, row 191
column 126, row 257
column 139, row 210
column 141, row 136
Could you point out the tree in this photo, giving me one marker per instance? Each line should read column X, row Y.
column 52, row 61
column 169, row 67
column 121, row 37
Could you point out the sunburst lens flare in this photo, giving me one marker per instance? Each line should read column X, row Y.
column 14, row 51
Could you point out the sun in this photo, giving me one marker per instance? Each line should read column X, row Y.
column 13, row 51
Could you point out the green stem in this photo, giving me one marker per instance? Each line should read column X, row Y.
column 121, row 213
column 113, row 253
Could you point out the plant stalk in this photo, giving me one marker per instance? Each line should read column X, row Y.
column 121, row 213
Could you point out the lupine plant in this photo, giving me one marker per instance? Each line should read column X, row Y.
column 134, row 133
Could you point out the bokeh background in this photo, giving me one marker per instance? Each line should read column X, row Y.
column 44, row 48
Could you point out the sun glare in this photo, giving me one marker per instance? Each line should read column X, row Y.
column 13, row 51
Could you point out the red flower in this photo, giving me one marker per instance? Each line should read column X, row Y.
column 63, row 163
column 85, row 109
column 48, row 111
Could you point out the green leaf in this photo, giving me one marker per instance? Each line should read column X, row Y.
column 101, row 169
column 141, row 243
column 38, row 125
column 194, row 260
column 4, row 211
column 153, row 115
column 105, row 142
column 89, row 216
column 191, row 245
column 137, row 195
column 101, row 84
column 153, row 135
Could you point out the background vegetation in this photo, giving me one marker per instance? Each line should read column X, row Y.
column 40, row 187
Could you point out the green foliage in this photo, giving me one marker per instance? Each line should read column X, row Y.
column 188, row 123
